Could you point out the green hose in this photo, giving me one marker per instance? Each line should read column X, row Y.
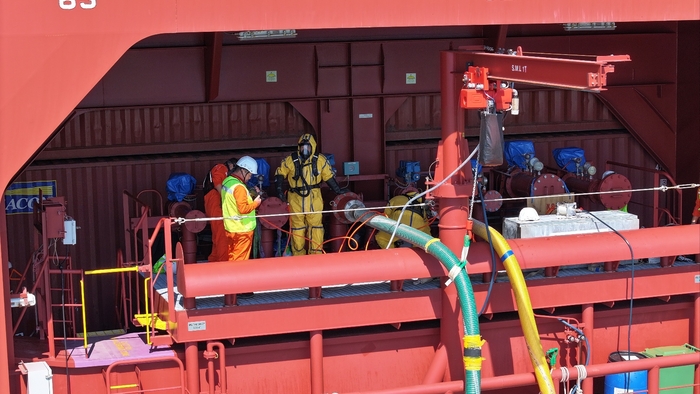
column 433, row 246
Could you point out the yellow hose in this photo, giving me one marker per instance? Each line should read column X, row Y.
column 522, row 298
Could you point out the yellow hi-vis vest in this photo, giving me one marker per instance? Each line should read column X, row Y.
column 246, row 222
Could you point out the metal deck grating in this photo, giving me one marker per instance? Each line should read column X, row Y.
column 580, row 270
column 371, row 288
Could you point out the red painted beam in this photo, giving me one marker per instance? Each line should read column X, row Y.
column 306, row 316
column 544, row 71
column 398, row 307
column 645, row 122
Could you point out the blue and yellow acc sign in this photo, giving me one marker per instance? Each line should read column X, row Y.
column 21, row 196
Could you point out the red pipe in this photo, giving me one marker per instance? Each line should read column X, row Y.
column 611, row 182
column 337, row 230
column 316, row 358
column 608, row 246
column 192, row 367
column 211, row 355
column 267, row 241
column 587, row 318
column 374, row 265
column 451, row 332
column 119, row 363
column 526, row 184
column 528, row 379
column 592, row 371
column 189, row 245
column 188, row 239
column 452, row 195
column 696, row 339
column 305, row 271
column 436, row 370
column 454, row 386
column 653, row 380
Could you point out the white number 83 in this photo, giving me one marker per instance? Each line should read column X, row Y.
column 70, row 4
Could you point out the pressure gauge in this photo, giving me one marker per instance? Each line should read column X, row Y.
column 589, row 168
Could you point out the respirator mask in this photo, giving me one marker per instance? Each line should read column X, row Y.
column 305, row 151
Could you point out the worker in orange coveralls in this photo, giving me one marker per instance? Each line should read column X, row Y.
column 696, row 210
column 212, row 208
column 239, row 209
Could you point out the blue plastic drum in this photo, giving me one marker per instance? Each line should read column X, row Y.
column 625, row 382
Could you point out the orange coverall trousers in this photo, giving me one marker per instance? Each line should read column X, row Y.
column 239, row 245
column 212, row 207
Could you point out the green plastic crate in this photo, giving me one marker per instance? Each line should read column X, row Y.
column 674, row 376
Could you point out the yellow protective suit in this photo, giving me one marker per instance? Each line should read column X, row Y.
column 411, row 217
column 304, row 196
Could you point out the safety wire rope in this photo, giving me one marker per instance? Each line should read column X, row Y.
column 182, row 220
column 659, row 188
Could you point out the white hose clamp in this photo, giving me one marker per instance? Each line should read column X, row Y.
column 454, row 271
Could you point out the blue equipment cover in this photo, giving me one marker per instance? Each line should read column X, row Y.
column 331, row 162
column 516, row 151
column 566, row 158
column 179, row 185
column 264, row 170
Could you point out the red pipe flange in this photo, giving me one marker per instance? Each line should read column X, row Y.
column 198, row 225
column 614, row 182
column 492, row 201
column 274, row 212
column 346, row 201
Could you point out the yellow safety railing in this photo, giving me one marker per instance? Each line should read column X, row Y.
column 151, row 318
column 82, row 294
column 82, row 301
column 124, row 386
column 112, row 270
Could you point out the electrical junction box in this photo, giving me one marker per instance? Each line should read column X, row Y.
column 55, row 215
column 69, row 228
column 351, row 168
column 39, row 378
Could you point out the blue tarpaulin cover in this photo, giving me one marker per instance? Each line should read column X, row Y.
column 515, row 153
column 566, row 158
column 179, row 185
column 264, row 170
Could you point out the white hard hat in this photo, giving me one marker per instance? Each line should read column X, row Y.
column 248, row 163
column 528, row 214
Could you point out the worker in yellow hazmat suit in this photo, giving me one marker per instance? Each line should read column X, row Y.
column 414, row 215
column 305, row 170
